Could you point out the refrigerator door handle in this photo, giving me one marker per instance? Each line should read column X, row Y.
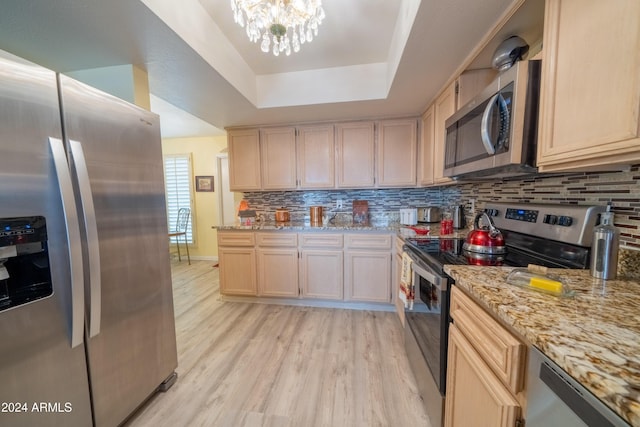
column 73, row 240
column 93, row 248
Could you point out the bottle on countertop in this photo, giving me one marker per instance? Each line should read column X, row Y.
column 604, row 250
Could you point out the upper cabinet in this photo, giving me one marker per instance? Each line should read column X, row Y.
column 355, row 154
column 444, row 107
column 324, row 155
column 590, row 93
column 244, row 169
column 316, row 156
column 397, row 151
column 278, row 158
column 426, row 148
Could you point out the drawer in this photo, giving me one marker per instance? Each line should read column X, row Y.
column 277, row 238
column 368, row 241
column 321, row 240
column 502, row 351
column 236, row 238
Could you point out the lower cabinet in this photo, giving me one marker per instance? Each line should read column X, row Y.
column 278, row 272
column 277, row 257
column 321, row 265
column 368, row 276
column 237, row 259
column 368, row 267
column 321, row 274
column 485, row 369
column 395, row 284
column 314, row 265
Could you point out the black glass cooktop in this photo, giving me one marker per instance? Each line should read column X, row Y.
column 521, row 250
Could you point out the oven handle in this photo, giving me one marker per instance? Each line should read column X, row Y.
column 426, row 272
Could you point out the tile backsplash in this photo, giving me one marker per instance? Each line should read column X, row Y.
column 620, row 188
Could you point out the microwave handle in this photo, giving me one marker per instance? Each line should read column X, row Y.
column 484, row 126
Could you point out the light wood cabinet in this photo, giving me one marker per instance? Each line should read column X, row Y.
column 278, row 272
column 316, row 156
column 321, row 274
column 244, row 160
column 590, row 91
column 355, row 154
column 237, row 259
column 277, row 263
column 321, row 266
column 278, row 158
column 485, row 368
column 395, row 285
column 426, row 153
column 471, row 82
column 475, row 397
column 397, row 152
column 368, row 267
column 444, row 107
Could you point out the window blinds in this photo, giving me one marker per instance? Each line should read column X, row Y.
column 177, row 178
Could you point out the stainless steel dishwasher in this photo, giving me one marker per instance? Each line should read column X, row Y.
column 554, row 398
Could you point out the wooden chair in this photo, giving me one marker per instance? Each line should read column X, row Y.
column 184, row 214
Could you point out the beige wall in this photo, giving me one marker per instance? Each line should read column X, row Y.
column 203, row 156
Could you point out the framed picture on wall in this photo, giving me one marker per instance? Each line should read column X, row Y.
column 204, row 183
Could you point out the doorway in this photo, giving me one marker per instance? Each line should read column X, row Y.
column 226, row 200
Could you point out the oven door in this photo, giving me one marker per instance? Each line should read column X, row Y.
column 426, row 338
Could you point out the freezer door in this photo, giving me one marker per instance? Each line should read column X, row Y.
column 134, row 349
column 43, row 379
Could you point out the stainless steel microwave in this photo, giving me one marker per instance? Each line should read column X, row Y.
column 495, row 134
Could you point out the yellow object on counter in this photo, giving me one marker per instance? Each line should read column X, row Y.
column 533, row 279
column 546, row 284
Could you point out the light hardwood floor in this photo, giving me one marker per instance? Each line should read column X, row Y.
column 249, row 364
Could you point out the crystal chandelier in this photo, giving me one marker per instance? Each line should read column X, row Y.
column 286, row 23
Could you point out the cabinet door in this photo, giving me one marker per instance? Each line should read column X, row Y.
column 278, row 159
column 444, row 107
column 425, row 152
column 590, row 92
column 475, row 397
column 356, row 153
column 472, row 82
column 316, row 156
column 244, row 160
column 278, row 272
column 397, row 152
column 237, row 271
column 321, row 274
column 368, row 276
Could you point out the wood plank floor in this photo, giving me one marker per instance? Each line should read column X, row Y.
column 247, row 364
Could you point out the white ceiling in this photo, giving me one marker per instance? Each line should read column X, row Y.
column 371, row 58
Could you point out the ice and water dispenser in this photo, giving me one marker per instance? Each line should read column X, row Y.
column 25, row 275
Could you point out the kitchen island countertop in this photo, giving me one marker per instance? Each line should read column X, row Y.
column 594, row 336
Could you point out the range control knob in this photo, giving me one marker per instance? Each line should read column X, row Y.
column 550, row 219
column 565, row 221
column 492, row 212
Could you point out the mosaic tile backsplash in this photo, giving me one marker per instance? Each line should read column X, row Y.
column 620, row 188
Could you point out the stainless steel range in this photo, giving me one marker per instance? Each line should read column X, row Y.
column 557, row 236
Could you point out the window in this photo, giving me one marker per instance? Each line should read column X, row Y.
column 177, row 178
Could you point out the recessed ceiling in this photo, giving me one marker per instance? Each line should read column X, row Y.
column 371, row 58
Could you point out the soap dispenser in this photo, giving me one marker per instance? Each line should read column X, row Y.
column 604, row 250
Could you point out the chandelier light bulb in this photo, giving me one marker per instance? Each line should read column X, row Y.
column 290, row 23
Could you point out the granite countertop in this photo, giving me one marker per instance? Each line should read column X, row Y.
column 392, row 227
column 307, row 226
column 594, row 336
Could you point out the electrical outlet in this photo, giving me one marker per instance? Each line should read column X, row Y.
column 339, row 204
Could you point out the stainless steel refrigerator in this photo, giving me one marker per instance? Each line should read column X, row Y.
column 87, row 329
